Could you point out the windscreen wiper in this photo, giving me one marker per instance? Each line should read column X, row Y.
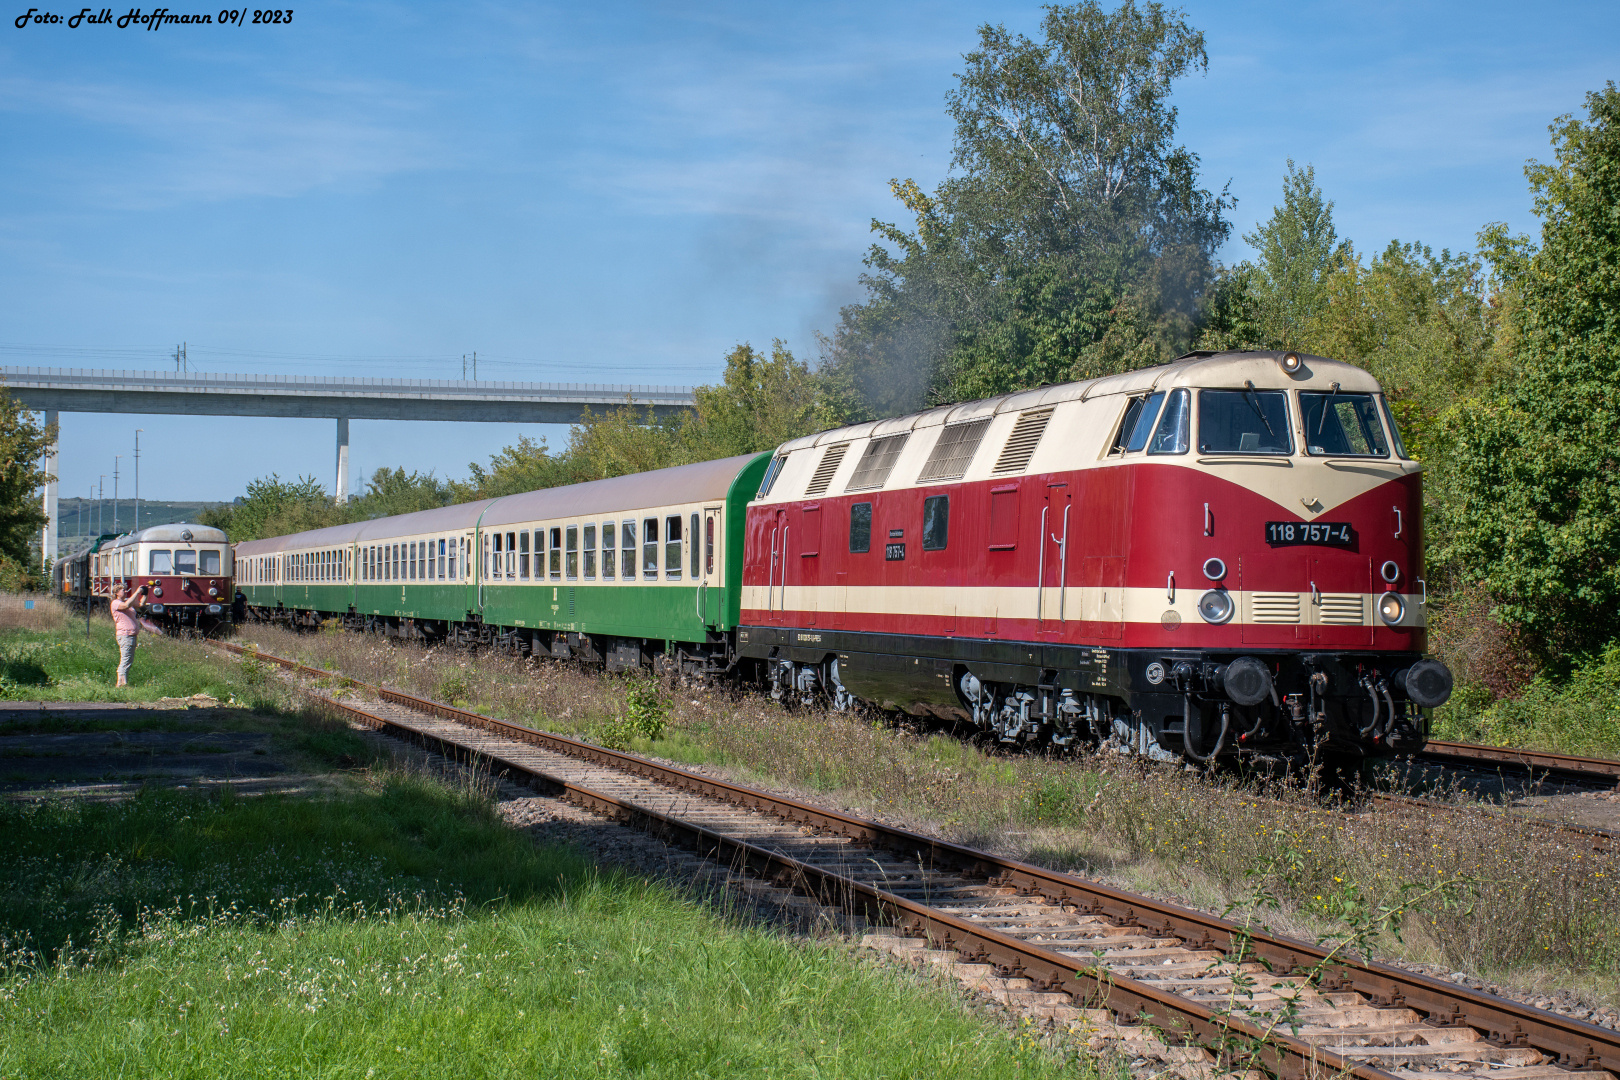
column 1254, row 403
column 1320, row 420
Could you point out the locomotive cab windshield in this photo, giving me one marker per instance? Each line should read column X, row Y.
column 1246, row 421
column 1338, row 424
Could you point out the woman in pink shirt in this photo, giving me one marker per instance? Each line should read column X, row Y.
column 125, row 626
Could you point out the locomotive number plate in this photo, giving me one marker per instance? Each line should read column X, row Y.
column 1291, row 533
column 894, row 552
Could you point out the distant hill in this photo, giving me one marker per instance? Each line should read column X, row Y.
column 77, row 519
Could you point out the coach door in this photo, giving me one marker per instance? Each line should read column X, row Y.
column 1053, row 566
column 711, row 582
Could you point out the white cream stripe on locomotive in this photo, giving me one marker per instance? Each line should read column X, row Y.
column 1075, row 604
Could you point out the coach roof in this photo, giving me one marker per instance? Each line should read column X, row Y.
column 706, row 481
column 703, row 482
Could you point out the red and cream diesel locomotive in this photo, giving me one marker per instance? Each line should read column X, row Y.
column 1216, row 557
column 187, row 569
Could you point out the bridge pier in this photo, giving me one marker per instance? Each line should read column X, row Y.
column 342, row 488
column 47, row 542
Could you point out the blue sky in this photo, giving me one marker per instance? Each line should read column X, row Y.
column 622, row 192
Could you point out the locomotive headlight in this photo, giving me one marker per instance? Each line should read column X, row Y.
column 1391, row 607
column 1215, row 606
column 158, row 591
column 1290, row 362
column 213, row 592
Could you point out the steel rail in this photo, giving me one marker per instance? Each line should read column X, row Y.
column 1601, row 841
column 1566, row 766
column 1570, row 1043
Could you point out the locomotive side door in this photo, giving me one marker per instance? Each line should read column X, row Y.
column 1053, row 567
column 711, row 579
column 776, row 586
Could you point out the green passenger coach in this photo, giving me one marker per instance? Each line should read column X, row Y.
column 620, row 571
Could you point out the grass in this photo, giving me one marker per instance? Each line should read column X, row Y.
column 1482, row 893
column 45, row 655
column 1577, row 714
column 404, row 931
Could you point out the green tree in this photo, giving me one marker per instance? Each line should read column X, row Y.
column 1422, row 323
column 23, row 442
column 1536, row 488
column 1297, row 248
column 1074, row 219
column 395, row 491
column 761, row 402
column 274, row 507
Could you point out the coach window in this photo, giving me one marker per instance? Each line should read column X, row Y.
column 860, row 528
column 672, row 546
column 649, row 548
column 1171, row 435
column 451, row 572
column 185, row 562
column 556, row 554
column 208, row 562
column 523, row 554
column 398, row 554
column 627, row 550
column 936, row 522
column 571, row 544
column 692, row 540
column 609, row 555
column 160, row 562
column 708, row 544
column 511, row 556
column 590, row 552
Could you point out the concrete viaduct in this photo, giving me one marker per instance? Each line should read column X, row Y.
column 58, row 390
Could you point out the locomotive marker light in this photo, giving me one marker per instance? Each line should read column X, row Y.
column 1216, row 607
column 1390, row 608
column 1214, row 569
column 1390, row 572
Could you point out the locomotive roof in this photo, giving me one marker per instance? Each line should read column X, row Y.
column 702, row 481
column 178, row 532
column 1223, row 369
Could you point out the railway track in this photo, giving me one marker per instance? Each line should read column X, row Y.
column 1600, row 841
column 1222, row 997
column 1534, row 764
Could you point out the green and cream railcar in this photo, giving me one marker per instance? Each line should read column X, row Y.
column 613, row 570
